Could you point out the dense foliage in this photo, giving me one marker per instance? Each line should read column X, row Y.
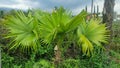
column 33, row 35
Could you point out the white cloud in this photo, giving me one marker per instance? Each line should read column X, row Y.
column 64, row 1
column 100, row 3
column 117, row 6
column 77, row 10
column 16, row 6
column 21, row 4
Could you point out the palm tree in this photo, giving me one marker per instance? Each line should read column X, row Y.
column 54, row 26
column 26, row 31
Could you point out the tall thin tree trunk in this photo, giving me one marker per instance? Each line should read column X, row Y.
column 108, row 12
column 91, row 8
column 86, row 8
column 94, row 12
column 97, row 11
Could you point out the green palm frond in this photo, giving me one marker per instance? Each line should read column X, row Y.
column 53, row 23
column 56, row 24
column 90, row 34
column 76, row 21
column 23, row 30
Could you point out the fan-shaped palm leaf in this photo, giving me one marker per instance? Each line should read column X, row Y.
column 23, row 30
column 59, row 22
column 91, row 33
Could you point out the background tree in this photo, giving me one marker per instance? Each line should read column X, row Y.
column 86, row 8
column 97, row 11
column 91, row 8
column 1, row 13
column 108, row 12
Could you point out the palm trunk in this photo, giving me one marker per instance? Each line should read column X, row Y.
column 58, row 54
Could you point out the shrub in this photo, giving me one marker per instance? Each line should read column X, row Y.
column 71, row 63
column 43, row 64
column 7, row 61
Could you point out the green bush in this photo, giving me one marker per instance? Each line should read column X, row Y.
column 99, row 59
column 43, row 64
column 116, row 36
column 3, row 32
column 7, row 61
column 45, row 51
column 16, row 66
column 71, row 63
column 114, row 65
column 29, row 64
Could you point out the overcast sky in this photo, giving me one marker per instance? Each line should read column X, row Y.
column 74, row 5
